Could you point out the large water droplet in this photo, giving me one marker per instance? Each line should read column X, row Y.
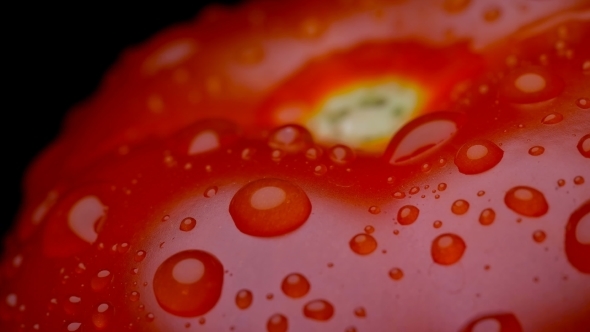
column 407, row 215
column 363, row 244
column 290, row 138
column 244, row 299
column 269, row 207
column 526, row 201
column 447, row 249
column 578, row 180
column 487, row 217
column 577, row 238
column 526, row 85
column 295, row 285
column 277, row 323
column 536, row 150
column 139, row 256
column 460, row 207
column 102, row 316
column 584, row 146
column 319, row 310
column 101, row 280
column 503, row 322
column 478, row 156
column 187, row 224
column 422, row 136
column 189, row 283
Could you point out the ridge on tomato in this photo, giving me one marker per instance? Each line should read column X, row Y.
column 312, row 166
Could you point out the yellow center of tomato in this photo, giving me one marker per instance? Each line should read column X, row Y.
column 365, row 115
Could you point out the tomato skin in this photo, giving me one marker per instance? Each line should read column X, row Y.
column 141, row 181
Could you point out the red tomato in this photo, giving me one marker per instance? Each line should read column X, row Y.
column 313, row 166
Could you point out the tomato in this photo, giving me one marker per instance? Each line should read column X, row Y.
column 307, row 165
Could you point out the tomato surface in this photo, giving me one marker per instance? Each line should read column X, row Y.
column 321, row 166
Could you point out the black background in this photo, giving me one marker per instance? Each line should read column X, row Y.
column 54, row 57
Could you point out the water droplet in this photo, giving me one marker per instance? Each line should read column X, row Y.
column 492, row 14
column 577, row 238
column 363, row 244
column 269, row 207
column 426, row 167
column 165, row 218
column 360, row 312
column 101, row 280
column 134, row 296
column 526, row 201
column 290, row 138
column 399, row 194
column 187, row 224
column 442, row 186
column 295, row 285
column 578, row 180
column 320, row 169
column 202, row 320
column 487, row 217
column 102, row 316
column 502, row 322
column 421, row 137
column 414, row 190
column 206, row 136
column 583, row 103
column 71, row 305
column 407, row 214
column 455, row 6
column 277, row 323
column 341, row 154
column 447, row 249
column 369, row 229
column 74, row 326
column 139, row 256
column 481, row 193
column 460, row 207
column 561, row 182
column 526, row 85
column 319, row 310
column 539, row 236
column 374, row 210
column 437, row 224
column 552, row 118
column 478, row 156
column 210, row 192
column 396, row 273
column 244, row 299
column 584, row 146
column 313, row 153
column 149, row 317
column 188, row 283
column 536, row 150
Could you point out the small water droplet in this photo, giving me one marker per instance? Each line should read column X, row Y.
column 536, row 150
column 526, row 85
column 314, row 153
column 583, row 103
column 447, row 249
column 584, row 146
column 102, row 316
column 578, row 180
column 526, row 201
column 399, row 194
column 210, row 192
column 295, row 285
column 374, row 210
column 341, row 154
column 149, row 317
column 269, row 207
column 487, row 217
column 442, row 186
column 244, row 299
column 414, row 190
column 369, row 229
column 407, row 214
column 426, row 167
column 360, row 312
column 460, row 207
column 481, row 193
column 396, row 273
column 277, row 323
column 290, row 138
column 363, row 244
column 134, row 296
column 139, row 256
column 561, row 182
column 165, row 218
column 478, row 156
column 187, row 224
column 539, row 236
column 390, row 180
column 101, row 280
column 188, row 283
column 552, row 118
column 74, row 326
column 437, row 224
column 320, row 169
column 321, row 310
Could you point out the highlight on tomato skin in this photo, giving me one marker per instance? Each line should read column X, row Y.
column 321, row 166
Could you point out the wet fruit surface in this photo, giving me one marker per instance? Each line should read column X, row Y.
column 262, row 172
